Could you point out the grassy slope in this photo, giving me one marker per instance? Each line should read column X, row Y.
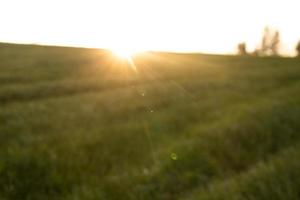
column 79, row 124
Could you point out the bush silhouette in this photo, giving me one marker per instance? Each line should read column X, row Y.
column 242, row 49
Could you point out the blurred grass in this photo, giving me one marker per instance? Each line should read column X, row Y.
column 82, row 124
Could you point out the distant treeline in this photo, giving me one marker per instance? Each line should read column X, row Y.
column 270, row 45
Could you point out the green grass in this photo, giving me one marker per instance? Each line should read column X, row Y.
column 80, row 124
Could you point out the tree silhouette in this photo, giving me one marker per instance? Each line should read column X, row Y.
column 265, row 41
column 298, row 49
column 270, row 42
column 274, row 46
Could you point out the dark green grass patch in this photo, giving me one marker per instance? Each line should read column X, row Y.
column 81, row 124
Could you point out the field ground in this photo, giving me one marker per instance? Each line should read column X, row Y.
column 81, row 124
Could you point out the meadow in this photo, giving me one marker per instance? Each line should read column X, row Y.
column 83, row 124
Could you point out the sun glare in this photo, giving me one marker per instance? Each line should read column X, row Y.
column 125, row 53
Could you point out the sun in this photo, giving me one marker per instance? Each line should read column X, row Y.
column 125, row 53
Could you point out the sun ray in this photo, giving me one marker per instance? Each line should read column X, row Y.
column 127, row 56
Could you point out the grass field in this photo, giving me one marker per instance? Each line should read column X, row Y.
column 79, row 124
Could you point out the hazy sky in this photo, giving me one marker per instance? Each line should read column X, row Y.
column 213, row 26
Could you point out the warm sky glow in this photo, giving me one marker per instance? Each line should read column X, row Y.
column 213, row 26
